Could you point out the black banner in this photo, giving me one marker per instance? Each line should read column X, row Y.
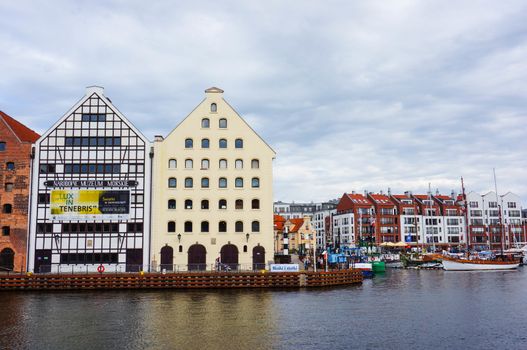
column 91, row 183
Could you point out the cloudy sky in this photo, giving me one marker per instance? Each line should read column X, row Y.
column 352, row 95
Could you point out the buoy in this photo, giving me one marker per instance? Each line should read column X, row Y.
column 100, row 269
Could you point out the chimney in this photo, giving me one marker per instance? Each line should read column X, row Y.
column 99, row 90
column 158, row 138
column 453, row 194
column 352, row 192
column 389, row 191
column 365, row 193
column 381, row 192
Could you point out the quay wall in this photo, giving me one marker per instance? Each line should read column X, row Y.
column 186, row 280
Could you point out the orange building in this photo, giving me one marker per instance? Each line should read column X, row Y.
column 15, row 159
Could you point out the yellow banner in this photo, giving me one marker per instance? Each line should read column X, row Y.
column 83, row 202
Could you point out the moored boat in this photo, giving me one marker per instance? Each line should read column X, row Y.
column 455, row 264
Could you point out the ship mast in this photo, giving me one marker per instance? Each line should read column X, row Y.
column 499, row 211
column 465, row 204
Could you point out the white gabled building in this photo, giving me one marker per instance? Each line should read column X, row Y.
column 90, row 195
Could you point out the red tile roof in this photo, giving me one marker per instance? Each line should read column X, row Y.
column 21, row 131
column 279, row 222
column 381, row 199
column 297, row 224
column 359, row 199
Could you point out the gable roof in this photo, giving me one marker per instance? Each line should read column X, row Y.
column 279, row 222
column 22, row 132
column 297, row 224
column 381, row 199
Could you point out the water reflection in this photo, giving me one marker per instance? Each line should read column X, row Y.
column 400, row 309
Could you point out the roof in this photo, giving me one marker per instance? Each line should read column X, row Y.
column 358, row 199
column 297, row 224
column 443, row 197
column 214, row 90
column 279, row 222
column 21, row 131
column 381, row 199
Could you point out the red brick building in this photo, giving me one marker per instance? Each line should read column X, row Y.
column 386, row 219
column 15, row 155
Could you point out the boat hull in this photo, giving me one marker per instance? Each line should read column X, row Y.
column 450, row 265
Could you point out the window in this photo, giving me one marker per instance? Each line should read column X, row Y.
column 91, row 168
column 222, row 204
column 9, row 187
column 205, row 143
column 238, row 143
column 222, row 226
column 47, row 168
column 238, row 226
column 93, row 117
column 188, row 182
column 255, row 204
column 43, row 198
column 172, row 164
column 171, row 227
column 223, row 123
column 92, row 141
column 223, row 163
column 204, row 226
column 132, row 168
column 493, row 204
column 205, row 164
column 223, row 143
column 138, row 198
column 171, row 204
column 189, row 164
column 255, row 183
column 238, row 183
column 238, row 164
column 255, row 226
column 245, row 248
column 188, row 203
column 222, row 182
column 188, row 226
column 189, row 143
column 238, row 204
column 204, row 182
column 204, row 204
column 172, row 182
column 213, row 107
column 255, row 164
column 205, row 123
column 6, row 231
column 2, row 146
column 10, row 166
column 7, row 208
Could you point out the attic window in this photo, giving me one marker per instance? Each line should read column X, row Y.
column 213, row 108
column 223, row 123
column 2, row 146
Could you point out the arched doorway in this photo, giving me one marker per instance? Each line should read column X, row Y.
column 258, row 258
column 7, row 260
column 197, row 258
column 229, row 256
column 167, row 258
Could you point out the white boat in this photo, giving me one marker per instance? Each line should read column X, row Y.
column 362, row 266
column 453, row 264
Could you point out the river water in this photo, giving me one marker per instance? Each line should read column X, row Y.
column 401, row 309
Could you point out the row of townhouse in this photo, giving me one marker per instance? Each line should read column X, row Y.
column 103, row 196
column 426, row 220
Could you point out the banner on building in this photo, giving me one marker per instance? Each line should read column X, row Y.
column 89, row 204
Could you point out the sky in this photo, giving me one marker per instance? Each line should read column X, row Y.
column 352, row 95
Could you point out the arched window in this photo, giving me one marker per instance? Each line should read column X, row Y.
column 180, row 248
column 172, row 164
column 205, row 143
column 255, row 182
column 213, row 107
column 188, row 182
column 238, row 143
column 223, row 123
column 205, row 123
column 238, row 226
column 255, row 226
column 239, row 204
column 223, row 182
column 172, row 182
column 223, row 143
column 189, row 143
column 222, row 204
column 223, row 163
column 204, row 182
column 238, row 164
column 188, row 226
column 205, row 204
column 189, row 164
column 171, row 204
column 171, row 227
column 7, row 208
column 238, row 183
column 222, row 226
column 205, row 164
column 188, row 203
column 255, row 204
column 255, row 164
column 204, row 226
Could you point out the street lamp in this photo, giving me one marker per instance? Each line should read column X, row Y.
column 179, row 237
column 247, row 237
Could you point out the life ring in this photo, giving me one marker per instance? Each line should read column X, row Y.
column 100, row 269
